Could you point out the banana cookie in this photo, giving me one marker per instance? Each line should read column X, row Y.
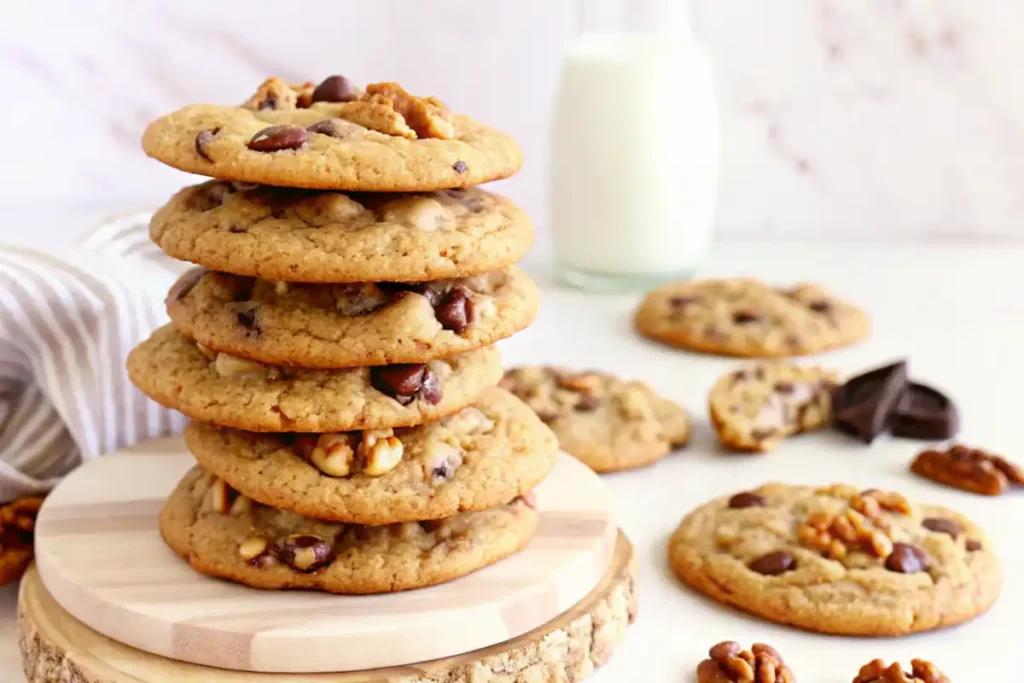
column 609, row 423
column 745, row 317
column 334, row 136
column 337, row 326
column 307, row 236
column 481, row 456
column 754, row 408
column 837, row 560
column 234, row 392
column 229, row 536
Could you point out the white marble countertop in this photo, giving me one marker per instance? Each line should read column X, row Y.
column 954, row 310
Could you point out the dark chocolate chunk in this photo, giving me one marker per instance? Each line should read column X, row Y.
column 277, row 138
column 926, row 414
column 942, row 525
column 746, row 499
column 773, row 564
column 405, row 382
column 906, row 559
column 334, row 89
column 455, row 311
column 744, row 317
column 459, row 167
column 326, row 127
column 862, row 406
column 247, row 319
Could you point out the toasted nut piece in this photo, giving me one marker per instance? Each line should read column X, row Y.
column 233, row 366
column 333, row 455
column 380, row 451
column 252, row 547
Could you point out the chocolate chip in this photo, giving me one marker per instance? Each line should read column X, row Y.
column 326, row 127
column 906, row 559
column 925, row 413
column 784, row 387
column 942, row 525
column 334, row 89
column 680, row 302
column 455, row 311
column 820, row 306
column 405, row 382
column 587, row 403
column 863, row 405
column 744, row 317
column 262, row 561
column 431, row 525
column 773, row 564
column 459, row 167
column 185, row 284
column 305, row 552
column 204, row 138
column 973, row 545
column 247, row 319
column 277, row 138
column 746, row 499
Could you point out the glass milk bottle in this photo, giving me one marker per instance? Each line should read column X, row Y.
column 634, row 161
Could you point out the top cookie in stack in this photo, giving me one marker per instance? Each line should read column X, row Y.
column 333, row 347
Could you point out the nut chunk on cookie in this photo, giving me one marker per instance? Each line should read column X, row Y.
column 969, row 469
column 754, row 408
column 921, row 672
column 729, row 663
column 608, row 423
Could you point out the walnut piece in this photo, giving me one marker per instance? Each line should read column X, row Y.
column 333, row 455
column 968, row 469
column 730, row 663
column 232, row 366
column 835, row 536
column 274, row 93
column 379, row 451
column 921, row 672
column 359, row 298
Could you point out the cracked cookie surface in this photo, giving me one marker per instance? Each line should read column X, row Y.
column 745, row 317
column 304, row 236
column 835, row 560
column 233, row 392
column 481, row 456
column 608, row 423
column 380, row 140
column 336, row 326
column 755, row 407
column 226, row 535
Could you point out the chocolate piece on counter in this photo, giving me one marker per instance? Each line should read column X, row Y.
column 925, row 413
column 862, row 406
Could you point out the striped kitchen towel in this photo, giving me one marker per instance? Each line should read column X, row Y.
column 67, row 322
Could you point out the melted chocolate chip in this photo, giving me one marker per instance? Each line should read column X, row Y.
column 247, row 319
column 204, row 138
column 334, row 89
column 304, row 552
column 405, row 382
column 942, row 525
column 587, row 403
column 744, row 317
column 972, row 545
column 455, row 310
column 746, row 499
column 185, row 284
column 773, row 564
column 460, row 167
column 821, row 306
column 682, row 301
column 906, row 559
column 277, row 138
column 326, row 127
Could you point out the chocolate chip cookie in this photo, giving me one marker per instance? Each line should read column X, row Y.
column 745, row 317
column 481, row 456
column 334, row 137
column 308, row 236
column 357, row 324
column 234, row 392
column 755, row 407
column 608, row 423
column 229, row 536
column 837, row 560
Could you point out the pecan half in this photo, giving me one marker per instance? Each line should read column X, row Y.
column 729, row 663
column 968, row 469
column 921, row 671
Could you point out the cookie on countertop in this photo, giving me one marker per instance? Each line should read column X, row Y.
column 835, row 560
column 480, row 457
column 336, row 326
column 234, row 392
column 921, row 671
column 755, row 407
column 745, row 317
column 728, row 662
column 307, row 236
column 608, row 423
column 968, row 469
column 229, row 536
column 334, row 137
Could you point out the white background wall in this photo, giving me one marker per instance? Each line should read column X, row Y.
column 895, row 119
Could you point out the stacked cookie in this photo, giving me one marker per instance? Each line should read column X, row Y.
column 333, row 348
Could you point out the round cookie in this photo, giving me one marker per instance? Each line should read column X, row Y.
column 833, row 560
column 756, row 407
column 608, row 423
column 337, row 326
column 380, row 140
column 745, row 317
column 225, row 535
column 480, row 457
column 307, row 236
column 233, row 392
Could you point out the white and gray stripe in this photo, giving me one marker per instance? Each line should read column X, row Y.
column 66, row 325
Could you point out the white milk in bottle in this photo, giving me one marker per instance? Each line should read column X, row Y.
column 634, row 148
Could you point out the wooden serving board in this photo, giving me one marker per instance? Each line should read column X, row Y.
column 101, row 557
column 57, row 647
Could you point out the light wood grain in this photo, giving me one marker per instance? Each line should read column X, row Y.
column 57, row 647
column 100, row 555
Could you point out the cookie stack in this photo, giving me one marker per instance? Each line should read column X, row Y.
column 333, row 346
